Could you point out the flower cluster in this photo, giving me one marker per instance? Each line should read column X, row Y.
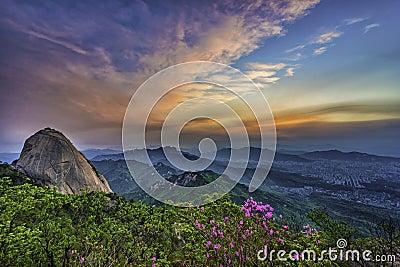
column 234, row 240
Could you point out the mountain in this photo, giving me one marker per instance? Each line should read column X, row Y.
column 347, row 156
column 115, row 157
column 218, row 165
column 254, row 155
column 91, row 153
column 157, row 155
column 52, row 160
column 120, row 179
column 291, row 152
column 8, row 157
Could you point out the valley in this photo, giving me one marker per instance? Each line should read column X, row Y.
column 359, row 192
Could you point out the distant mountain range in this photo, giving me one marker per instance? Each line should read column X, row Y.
column 8, row 157
column 224, row 154
column 347, row 156
column 221, row 161
column 157, row 155
column 91, row 153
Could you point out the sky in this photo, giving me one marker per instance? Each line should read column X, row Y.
column 329, row 69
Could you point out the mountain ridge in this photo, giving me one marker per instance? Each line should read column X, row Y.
column 224, row 154
column 335, row 154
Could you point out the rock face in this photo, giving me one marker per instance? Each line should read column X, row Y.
column 50, row 158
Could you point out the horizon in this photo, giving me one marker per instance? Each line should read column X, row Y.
column 329, row 69
column 279, row 149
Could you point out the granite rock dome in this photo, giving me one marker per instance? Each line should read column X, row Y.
column 52, row 160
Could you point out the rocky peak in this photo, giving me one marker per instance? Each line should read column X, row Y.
column 51, row 159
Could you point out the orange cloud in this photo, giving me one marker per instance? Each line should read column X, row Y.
column 291, row 121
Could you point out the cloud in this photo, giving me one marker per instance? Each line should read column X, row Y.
column 295, row 57
column 258, row 74
column 222, row 32
column 289, row 72
column 327, row 37
column 324, row 38
column 38, row 32
column 352, row 21
column 268, row 79
column 76, row 66
column 342, row 111
column 370, row 27
column 265, row 74
column 59, row 42
column 295, row 48
column 266, row 66
column 228, row 35
column 319, row 51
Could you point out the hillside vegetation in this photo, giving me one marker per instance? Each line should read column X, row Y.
column 40, row 227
